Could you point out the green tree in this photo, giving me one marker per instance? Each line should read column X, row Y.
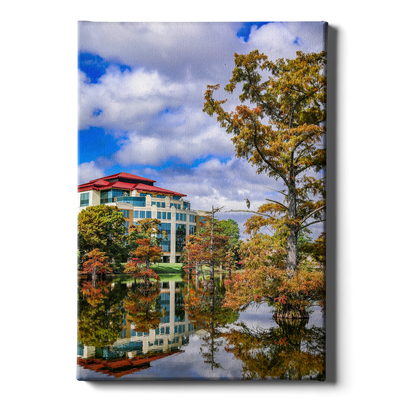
column 101, row 227
column 230, row 228
column 209, row 246
column 279, row 127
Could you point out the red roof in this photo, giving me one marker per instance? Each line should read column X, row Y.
column 142, row 186
column 124, row 175
column 146, row 188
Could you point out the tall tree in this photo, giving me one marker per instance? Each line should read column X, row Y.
column 209, row 246
column 96, row 264
column 279, row 127
column 230, row 228
column 101, row 227
column 145, row 250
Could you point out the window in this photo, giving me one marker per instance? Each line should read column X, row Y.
column 192, row 218
column 192, row 229
column 180, row 217
column 164, row 215
column 161, row 196
column 84, row 199
column 176, row 197
column 135, row 201
column 158, row 214
column 125, row 213
column 153, row 203
column 180, row 237
column 169, row 215
column 136, row 214
column 142, row 214
column 165, row 241
column 108, row 196
column 148, row 214
column 186, row 205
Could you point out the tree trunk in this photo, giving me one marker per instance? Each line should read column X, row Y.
column 146, row 278
column 292, row 252
column 212, row 247
column 94, row 276
column 291, row 310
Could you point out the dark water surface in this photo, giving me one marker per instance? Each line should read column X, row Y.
column 178, row 330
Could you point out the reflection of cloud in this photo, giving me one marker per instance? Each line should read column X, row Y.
column 190, row 365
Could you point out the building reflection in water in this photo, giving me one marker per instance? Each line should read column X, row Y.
column 172, row 333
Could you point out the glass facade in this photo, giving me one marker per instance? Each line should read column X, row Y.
column 180, row 237
column 165, row 242
column 125, row 213
column 135, row 201
column 108, row 196
column 180, row 217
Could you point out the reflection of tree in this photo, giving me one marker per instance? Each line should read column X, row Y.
column 99, row 315
column 143, row 307
column 203, row 304
column 290, row 351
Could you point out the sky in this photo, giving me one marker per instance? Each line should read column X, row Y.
column 141, row 93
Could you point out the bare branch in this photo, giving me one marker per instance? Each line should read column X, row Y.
column 253, row 212
column 311, row 223
column 277, row 202
column 312, row 212
column 277, row 191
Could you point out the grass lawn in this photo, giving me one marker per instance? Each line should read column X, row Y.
column 162, row 268
column 166, row 268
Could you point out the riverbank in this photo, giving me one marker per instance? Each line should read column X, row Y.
column 166, row 268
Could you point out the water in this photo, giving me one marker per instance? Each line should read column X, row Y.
column 179, row 330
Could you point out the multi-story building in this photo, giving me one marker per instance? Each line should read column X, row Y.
column 138, row 198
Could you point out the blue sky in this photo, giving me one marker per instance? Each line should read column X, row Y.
column 141, row 88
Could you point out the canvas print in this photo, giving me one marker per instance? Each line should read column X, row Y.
column 201, row 201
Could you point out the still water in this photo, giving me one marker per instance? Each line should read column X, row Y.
column 179, row 330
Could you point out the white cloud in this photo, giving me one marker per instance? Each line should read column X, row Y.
column 219, row 184
column 278, row 40
column 179, row 50
column 88, row 171
column 184, row 143
column 127, row 100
